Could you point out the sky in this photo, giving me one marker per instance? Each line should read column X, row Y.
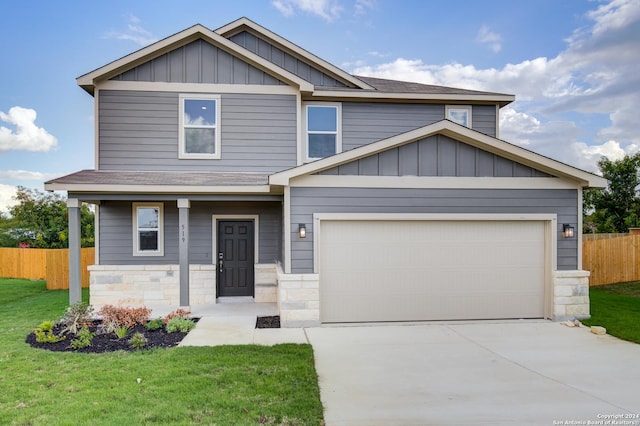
column 573, row 65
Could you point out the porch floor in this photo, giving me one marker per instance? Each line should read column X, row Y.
column 234, row 323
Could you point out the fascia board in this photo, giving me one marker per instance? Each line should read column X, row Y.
column 184, row 37
column 158, row 189
column 320, row 94
column 233, row 27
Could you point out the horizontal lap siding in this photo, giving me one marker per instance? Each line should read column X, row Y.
column 116, row 232
column 307, row 201
column 365, row 122
column 139, row 131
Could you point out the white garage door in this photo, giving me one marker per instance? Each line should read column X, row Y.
column 431, row 270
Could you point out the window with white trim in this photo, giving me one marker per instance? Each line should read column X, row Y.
column 323, row 128
column 148, row 231
column 199, row 123
column 460, row 114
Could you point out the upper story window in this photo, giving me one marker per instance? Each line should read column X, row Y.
column 148, row 236
column 323, row 128
column 460, row 114
column 199, row 127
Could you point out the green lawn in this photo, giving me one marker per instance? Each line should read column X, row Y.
column 228, row 385
column 617, row 308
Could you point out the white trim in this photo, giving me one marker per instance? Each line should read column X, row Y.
column 550, row 235
column 234, row 27
column 217, row 127
column 455, row 131
column 435, row 182
column 256, row 233
column 287, row 229
column 299, row 130
column 160, row 86
column 135, row 231
column 73, row 203
column 366, row 94
column 305, row 129
column 89, row 80
column 467, row 108
column 96, row 129
column 159, row 189
column 579, row 230
column 497, row 122
column 96, row 236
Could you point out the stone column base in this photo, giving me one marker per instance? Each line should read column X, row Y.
column 570, row 295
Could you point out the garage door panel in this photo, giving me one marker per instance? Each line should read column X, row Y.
column 428, row 270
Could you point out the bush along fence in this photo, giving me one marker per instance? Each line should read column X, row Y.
column 51, row 265
column 612, row 260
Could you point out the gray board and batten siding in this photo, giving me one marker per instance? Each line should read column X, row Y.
column 366, row 122
column 138, row 130
column 116, row 232
column 436, row 155
column 198, row 62
column 279, row 57
column 307, row 201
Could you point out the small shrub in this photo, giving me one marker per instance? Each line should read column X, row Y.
column 44, row 333
column 138, row 341
column 124, row 316
column 179, row 313
column 84, row 338
column 155, row 324
column 121, row 331
column 75, row 317
column 183, row 325
column 46, row 326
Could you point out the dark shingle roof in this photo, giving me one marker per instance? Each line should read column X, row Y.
column 396, row 86
column 112, row 177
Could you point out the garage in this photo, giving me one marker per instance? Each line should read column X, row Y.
column 416, row 270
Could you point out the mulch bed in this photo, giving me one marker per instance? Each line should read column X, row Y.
column 268, row 322
column 108, row 342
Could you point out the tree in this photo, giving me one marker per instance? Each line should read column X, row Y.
column 617, row 207
column 41, row 220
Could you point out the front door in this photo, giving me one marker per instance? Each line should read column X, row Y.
column 235, row 258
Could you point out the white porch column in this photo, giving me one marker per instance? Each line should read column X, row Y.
column 183, row 246
column 75, row 286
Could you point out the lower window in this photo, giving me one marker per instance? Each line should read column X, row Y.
column 148, row 229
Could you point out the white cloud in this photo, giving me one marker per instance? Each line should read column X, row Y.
column 22, row 175
column 134, row 32
column 597, row 73
column 361, row 6
column 26, row 136
column 491, row 39
column 7, row 192
column 329, row 10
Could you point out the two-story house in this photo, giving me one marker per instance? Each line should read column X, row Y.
column 234, row 163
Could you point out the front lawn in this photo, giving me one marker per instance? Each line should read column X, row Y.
column 617, row 308
column 192, row 385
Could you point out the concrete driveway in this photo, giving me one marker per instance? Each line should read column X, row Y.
column 520, row 372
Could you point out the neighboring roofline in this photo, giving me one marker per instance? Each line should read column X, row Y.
column 455, row 131
column 236, row 26
column 89, row 80
column 502, row 100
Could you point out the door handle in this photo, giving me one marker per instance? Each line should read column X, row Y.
column 220, row 265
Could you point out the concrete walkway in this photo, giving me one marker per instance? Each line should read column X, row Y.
column 235, row 324
column 484, row 373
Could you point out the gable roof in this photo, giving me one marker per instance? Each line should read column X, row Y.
column 454, row 131
column 246, row 24
column 89, row 80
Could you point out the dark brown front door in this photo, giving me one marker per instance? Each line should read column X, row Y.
column 235, row 258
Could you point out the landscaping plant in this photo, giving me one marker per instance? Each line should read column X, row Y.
column 183, row 325
column 84, row 338
column 138, row 341
column 76, row 316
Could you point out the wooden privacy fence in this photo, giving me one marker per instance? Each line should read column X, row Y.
column 51, row 265
column 612, row 260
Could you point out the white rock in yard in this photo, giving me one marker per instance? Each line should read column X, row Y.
column 598, row 330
